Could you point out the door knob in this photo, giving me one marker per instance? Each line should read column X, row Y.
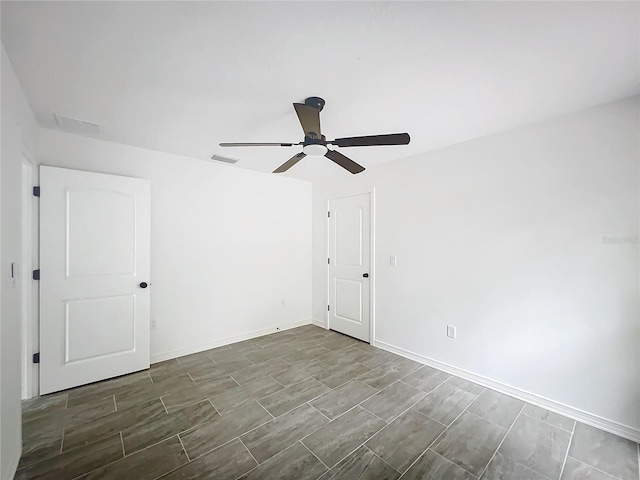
column 144, row 284
column 365, row 275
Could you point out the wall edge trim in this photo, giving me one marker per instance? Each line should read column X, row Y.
column 607, row 425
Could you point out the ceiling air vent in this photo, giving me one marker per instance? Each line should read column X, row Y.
column 75, row 125
column 220, row 158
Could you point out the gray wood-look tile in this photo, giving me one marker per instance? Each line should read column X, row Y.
column 339, row 374
column 226, row 368
column 402, row 441
column 335, row 440
column 390, row 372
column 445, row 403
column 107, row 388
column 227, row 462
column 145, row 392
column 273, row 437
column 466, row 385
column 238, row 396
column 58, row 419
column 496, row 407
column 340, row 341
column 43, row 406
column 108, row 425
column 299, row 371
column 546, row 416
column 612, row 454
column 393, row 400
column 293, row 396
column 177, row 399
column 40, row 447
column 432, row 466
column 575, row 470
column 504, row 468
column 210, row 435
column 470, row 442
column 164, row 426
column 260, row 370
column 147, row 464
column 536, row 445
column 426, row 378
column 167, row 369
column 362, row 464
column 72, row 464
column 79, row 433
column 294, row 463
column 268, row 353
column 337, row 401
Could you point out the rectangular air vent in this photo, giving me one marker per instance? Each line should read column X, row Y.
column 220, row 158
column 75, row 125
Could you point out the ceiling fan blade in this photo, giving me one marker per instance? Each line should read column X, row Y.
column 344, row 162
column 273, row 144
column 373, row 140
column 309, row 119
column 290, row 163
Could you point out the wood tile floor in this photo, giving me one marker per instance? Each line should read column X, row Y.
column 307, row 403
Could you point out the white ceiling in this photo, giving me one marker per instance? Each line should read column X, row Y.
column 181, row 77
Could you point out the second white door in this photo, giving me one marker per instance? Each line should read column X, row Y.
column 349, row 265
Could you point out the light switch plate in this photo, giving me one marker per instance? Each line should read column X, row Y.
column 393, row 260
column 451, row 331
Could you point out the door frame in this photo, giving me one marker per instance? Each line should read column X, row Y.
column 28, row 288
column 372, row 263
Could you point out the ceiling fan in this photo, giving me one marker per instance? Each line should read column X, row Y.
column 315, row 143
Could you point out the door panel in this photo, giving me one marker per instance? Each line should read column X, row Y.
column 94, row 253
column 349, row 260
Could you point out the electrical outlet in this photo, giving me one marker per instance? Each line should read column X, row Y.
column 451, row 331
column 154, row 324
column 393, row 260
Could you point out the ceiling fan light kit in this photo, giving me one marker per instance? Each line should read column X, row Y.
column 315, row 144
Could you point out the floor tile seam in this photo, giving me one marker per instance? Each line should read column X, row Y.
column 318, row 458
column 566, row 455
column 446, row 427
column 594, row 468
column 122, row 445
column 382, row 459
column 284, row 413
column 249, row 451
column 551, row 424
column 501, row 441
column 400, row 414
column 451, row 461
column 346, row 411
column 370, row 436
column 430, row 391
column 317, row 410
column 252, row 469
column 166, row 410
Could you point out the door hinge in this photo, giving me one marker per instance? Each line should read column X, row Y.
column 327, row 308
column 328, row 214
column 328, row 261
column 36, row 274
column 36, row 357
column 36, row 191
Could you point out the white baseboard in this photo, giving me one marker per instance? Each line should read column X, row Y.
column 560, row 408
column 180, row 352
column 319, row 323
column 10, row 471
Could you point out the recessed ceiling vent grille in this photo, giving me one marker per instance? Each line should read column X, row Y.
column 220, row 158
column 75, row 125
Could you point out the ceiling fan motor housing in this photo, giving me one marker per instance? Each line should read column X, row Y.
column 315, row 102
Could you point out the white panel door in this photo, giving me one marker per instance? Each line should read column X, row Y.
column 95, row 266
column 349, row 265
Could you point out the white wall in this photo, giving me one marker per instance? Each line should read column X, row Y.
column 503, row 237
column 19, row 132
column 227, row 245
